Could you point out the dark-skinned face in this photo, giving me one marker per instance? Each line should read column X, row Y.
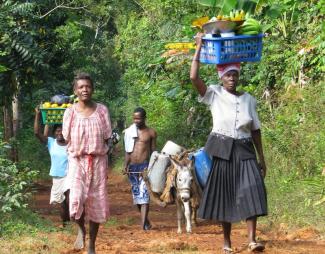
column 139, row 120
column 58, row 134
column 83, row 89
column 230, row 80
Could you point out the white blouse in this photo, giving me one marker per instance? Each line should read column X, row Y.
column 233, row 116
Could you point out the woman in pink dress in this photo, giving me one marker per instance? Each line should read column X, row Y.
column 87, row 128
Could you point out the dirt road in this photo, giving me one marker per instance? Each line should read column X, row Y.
column 122, row 233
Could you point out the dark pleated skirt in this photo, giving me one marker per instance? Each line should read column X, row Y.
column 235, row 190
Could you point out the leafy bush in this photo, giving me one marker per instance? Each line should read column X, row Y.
column 294, row 136
column 31, row 150
column 15, row 181
column 24, row 221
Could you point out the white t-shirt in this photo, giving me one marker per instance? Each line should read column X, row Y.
column 233, row 116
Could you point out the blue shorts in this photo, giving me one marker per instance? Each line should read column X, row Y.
column 140, row 192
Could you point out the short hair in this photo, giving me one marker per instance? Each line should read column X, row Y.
column 141, row 111
column 55, row 126
column 82, row 75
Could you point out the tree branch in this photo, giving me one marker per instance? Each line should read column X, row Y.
column 62, row 7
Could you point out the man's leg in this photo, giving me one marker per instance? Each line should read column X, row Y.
column 93, row 230
column 144, row 210
column 81, row 237
column 144, row 217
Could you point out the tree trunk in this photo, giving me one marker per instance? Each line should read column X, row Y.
column 15, row 116
column 15, row 125
column 7, row 123
column 11, row 119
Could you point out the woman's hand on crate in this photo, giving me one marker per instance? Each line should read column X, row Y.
column 37, row 110
column 198, row 39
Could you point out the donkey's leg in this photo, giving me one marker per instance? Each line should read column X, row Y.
column 187, row 212
column 193, row 215
column 179, row 216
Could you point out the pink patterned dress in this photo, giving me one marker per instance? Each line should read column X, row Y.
column 87, row 153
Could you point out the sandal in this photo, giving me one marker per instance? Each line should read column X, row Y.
column 227, row 250
column 254, row 246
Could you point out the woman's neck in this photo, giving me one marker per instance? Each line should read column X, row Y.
column 232, row 91
column 85, row 104
column 61, row 143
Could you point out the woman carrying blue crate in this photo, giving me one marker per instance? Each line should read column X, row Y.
column 235, row 188
column 57, row 148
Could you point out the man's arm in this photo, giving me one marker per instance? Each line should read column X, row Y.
column 153, row 146
column 127, row 159
column 257, row 139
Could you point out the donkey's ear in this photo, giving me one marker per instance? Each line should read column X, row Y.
column 192, row 163
column 174, row 162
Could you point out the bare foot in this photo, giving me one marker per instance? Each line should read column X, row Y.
column 147, row 226
column 91, row 247
column 80, row 240
column 91, row 251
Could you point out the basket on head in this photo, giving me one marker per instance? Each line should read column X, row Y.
column 52, row 116
column 242, row 48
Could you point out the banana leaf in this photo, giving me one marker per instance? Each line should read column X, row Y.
column 228, row 5
column 225, row 5
column 210, row 3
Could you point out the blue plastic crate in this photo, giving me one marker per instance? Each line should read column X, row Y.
column 242, row 48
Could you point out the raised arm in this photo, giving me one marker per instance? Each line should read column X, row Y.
column 37, row 132
column 197, row 82
column 257, row 139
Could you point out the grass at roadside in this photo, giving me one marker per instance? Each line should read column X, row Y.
column 295, row 203
column 114, row 222
column 294, row 145
column 25, row 232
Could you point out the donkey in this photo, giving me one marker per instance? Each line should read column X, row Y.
column 187, row 192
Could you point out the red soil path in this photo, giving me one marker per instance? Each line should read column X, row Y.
column 122, row 234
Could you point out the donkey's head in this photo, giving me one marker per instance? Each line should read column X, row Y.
column 184, row 178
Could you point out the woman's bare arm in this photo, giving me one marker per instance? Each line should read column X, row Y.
column 197, row 82
column 42, row 138
column 257, row 139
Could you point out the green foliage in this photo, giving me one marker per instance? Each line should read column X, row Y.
column 295, row 130
column 20, row 52
column 14, row 182
column 23, row 222
column 295, row 202
column 31, row 150
column 294, row 142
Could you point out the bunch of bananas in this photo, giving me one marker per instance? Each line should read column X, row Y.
column 234, row 15
column 237, row 15
column 250, row 27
